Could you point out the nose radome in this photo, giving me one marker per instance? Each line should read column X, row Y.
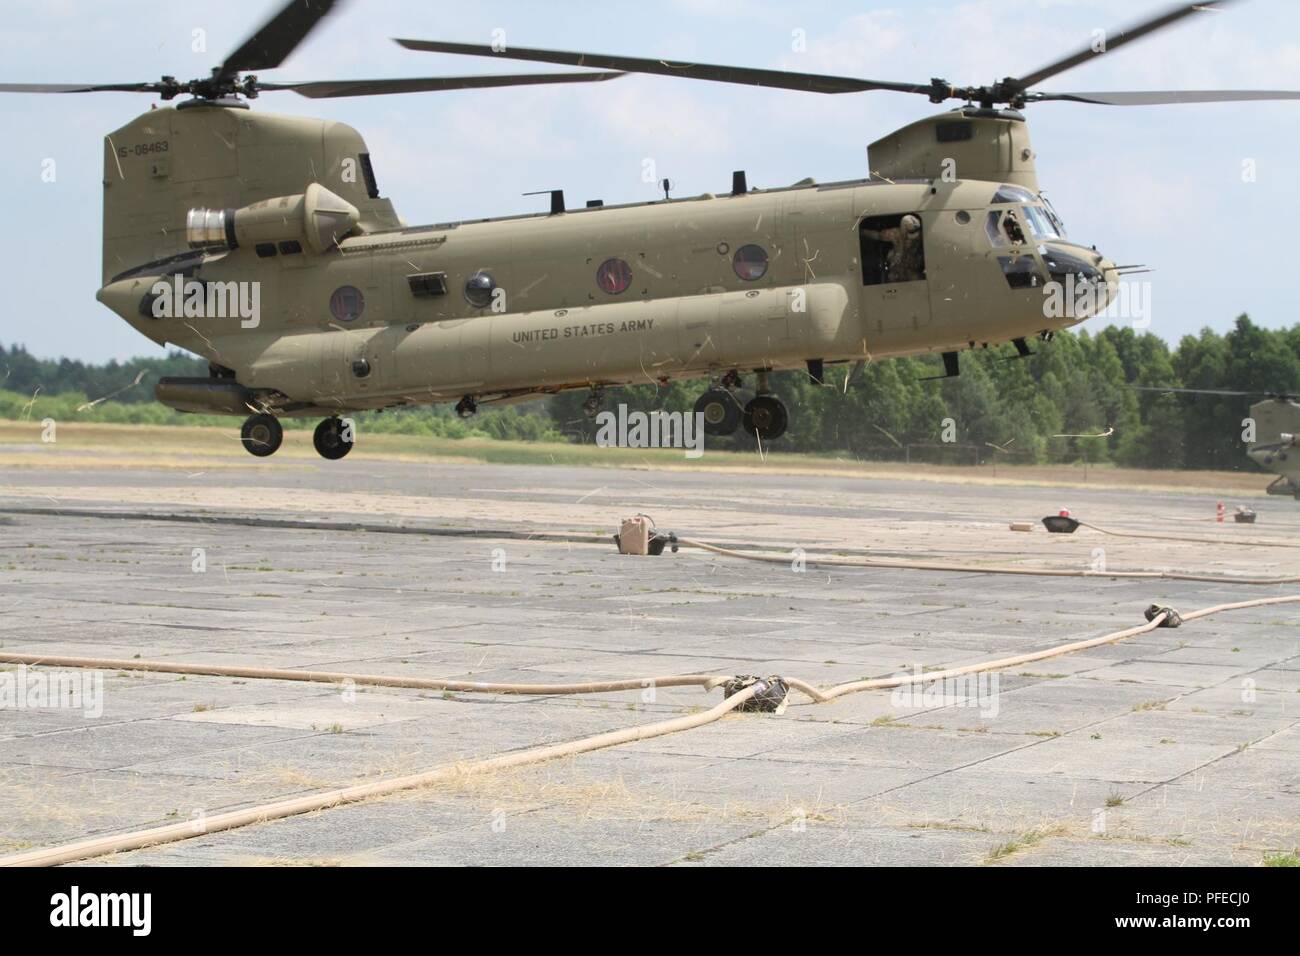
column 1107, row 268
column 1110, row 281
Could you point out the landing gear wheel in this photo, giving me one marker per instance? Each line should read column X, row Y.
column 766, row 417
column 591, row 407
column 261, row 435
column 467, row 407
column 330, row 441
column 721, row 411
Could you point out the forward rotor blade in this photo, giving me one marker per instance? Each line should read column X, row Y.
column 745, row 76
column 1112, row 43
column 278, row 37
column 79, row 87
column 1165, row 97
column 324, row 89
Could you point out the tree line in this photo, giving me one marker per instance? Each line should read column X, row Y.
column 1000, row 408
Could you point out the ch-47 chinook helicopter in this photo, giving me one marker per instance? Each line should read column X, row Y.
column 1276, row 421
column 1277, row 424
column 947, row 245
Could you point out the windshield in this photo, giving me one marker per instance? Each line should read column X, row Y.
column 1009, row 193
column 1043, row 224
column 1051, row 213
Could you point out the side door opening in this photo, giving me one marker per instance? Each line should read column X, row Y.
column 892, row 249
column 895, row 294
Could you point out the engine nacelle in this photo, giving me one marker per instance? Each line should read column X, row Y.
column 317, row 217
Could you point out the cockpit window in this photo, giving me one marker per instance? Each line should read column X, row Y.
column 1022, row 272
column 1004, row 227
column 1062, row 264
column 991, row 226
column 1042, row 223
column 1051, row 214
column 1008, row 193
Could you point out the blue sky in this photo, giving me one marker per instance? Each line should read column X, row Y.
column 1157, row 185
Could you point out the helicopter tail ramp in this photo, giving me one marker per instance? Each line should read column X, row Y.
column 216, row 156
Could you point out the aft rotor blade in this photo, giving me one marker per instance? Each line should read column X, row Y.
column 1194, row 391
column 1165, row 97
column 323, row 89
column 745, row 76
column 1112, row 42
column 278, row 37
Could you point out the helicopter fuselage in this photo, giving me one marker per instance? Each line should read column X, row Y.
column 504, row 308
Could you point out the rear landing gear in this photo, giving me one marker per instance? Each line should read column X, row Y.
column 765, row 417
column 261, row 435
column 333, row 439
column 467, row 407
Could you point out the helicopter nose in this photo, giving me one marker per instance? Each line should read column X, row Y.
column 1109, row 281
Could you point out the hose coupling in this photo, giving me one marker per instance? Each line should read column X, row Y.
column 768, row 699
column 1172, row 618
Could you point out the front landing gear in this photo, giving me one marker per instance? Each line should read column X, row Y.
column 591, row 406
column 765, row 417
column 333, row 438
column 720, row 410
column 261, row 435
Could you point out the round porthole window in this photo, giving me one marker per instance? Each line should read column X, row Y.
column 347, row 303
column 614, row 276
column 962, row 216
column 361, row 368
column 750, row 262
column 479, row 288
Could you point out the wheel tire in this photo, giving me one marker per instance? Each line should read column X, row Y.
column 766, row 418
column 721, row 411
column 329, row 441
column 261, row 435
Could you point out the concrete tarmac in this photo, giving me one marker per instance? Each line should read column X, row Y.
column 1181, row 746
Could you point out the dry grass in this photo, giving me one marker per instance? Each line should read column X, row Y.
column 553, row 790
column 82, row 445
column 1026, row 840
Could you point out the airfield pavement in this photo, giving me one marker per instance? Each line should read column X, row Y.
column 1180, row 746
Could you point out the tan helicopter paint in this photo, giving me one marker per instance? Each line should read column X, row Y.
column 998, row 151
column 1277, row 427
column 686, row 313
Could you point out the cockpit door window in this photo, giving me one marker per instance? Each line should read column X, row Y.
column 1012, row 230
column 993, row 228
